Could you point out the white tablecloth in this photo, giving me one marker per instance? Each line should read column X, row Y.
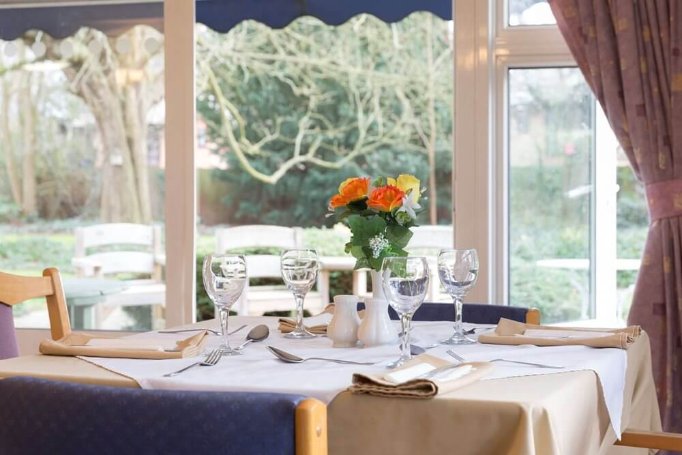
column 258, row 370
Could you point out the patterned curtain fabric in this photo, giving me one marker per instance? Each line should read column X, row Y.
column 629, row 52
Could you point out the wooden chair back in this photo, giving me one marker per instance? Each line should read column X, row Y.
column 657, row 440
column 144, row 241
column 15, row 289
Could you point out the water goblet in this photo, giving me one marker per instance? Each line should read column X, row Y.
column 405, row 281
column 299, row 271
column 458, row 270
column 224, row 277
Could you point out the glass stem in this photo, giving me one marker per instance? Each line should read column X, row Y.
column 405, row 320
column 299, row 311
column 224, row 313
column 458, row 316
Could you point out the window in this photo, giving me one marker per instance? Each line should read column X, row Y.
column 82, row 127
column 290, row 113
column 566, row 221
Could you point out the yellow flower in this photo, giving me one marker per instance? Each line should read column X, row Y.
column 409, row 184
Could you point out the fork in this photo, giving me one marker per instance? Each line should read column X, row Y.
column 539, row 365
column 211, row 359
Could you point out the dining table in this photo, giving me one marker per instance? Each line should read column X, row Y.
column 578, row 408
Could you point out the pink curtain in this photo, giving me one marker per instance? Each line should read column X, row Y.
column 629, row 52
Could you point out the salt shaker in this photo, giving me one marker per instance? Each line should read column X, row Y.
column 343, row 328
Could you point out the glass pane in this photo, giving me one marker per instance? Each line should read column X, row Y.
column 286, row 115
column 529, row 12
column 633, row 224
column 81, row 128
column 550, row 155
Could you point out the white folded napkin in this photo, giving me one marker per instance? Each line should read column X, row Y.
column 576, row 334
column 422, row 370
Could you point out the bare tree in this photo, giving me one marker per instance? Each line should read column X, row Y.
column 21, row 93
column 335, row 96
column 119, row 79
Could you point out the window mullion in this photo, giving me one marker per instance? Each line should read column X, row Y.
column 180, row 148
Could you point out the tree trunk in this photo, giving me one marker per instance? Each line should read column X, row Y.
column 28, row 169
column 120, row 113
column 135, row 111
column 8, row 145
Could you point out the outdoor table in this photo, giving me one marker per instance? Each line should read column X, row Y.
column 545, row 414
column 82, row 294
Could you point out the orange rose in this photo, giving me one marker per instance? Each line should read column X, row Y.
column 352, row 189
column 386, row 198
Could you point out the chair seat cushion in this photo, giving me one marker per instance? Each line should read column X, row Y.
column 8, row 340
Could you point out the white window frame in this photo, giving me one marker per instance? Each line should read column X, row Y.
column 485, row 50
column 180, row 208
column 181, row 194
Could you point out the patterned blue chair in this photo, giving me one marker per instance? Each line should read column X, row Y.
column 474, row 313
column 49, row 417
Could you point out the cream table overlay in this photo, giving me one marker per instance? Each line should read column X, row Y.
column 562, row 413
column 259, row 371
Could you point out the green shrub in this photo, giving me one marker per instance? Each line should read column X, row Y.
column 32, row 252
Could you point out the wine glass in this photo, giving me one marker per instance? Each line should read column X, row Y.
column 299, row 271
column 458, row 270
column 405, row 281
column 224, row 278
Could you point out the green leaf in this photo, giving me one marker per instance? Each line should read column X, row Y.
column 347, row 247
column 399, row 252
column 399, row 236
column 357, row 252
column 375, row 264
column 364, row 228
column 362, row 264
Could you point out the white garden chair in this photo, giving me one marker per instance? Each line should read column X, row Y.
column 255, row 300
column 135, row 251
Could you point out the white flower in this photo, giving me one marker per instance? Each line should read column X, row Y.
column 378, row 244
column 409, row 206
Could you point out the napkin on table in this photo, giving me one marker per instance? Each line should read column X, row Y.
column 319, row 321
column 287, row 325
column 515, row 333
column 83, row 344
column 409, row 380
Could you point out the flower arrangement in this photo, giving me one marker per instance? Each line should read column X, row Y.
column 379, row 215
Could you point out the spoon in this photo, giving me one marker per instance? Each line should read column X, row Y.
column 291, row 358
column 258, row 333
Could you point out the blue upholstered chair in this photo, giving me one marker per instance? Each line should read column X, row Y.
column 15, row 289
column 49, row 417
column 472, row 312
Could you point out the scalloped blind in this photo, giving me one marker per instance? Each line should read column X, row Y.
column 221, row 15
